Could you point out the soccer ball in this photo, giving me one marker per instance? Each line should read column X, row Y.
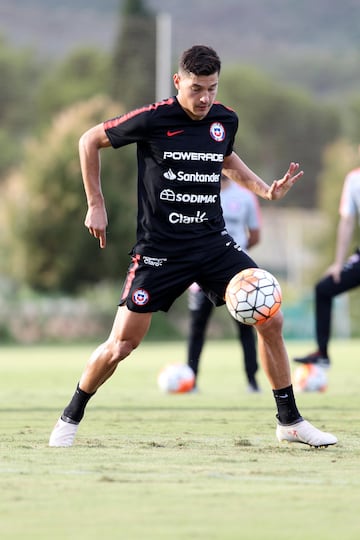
column 253, row 296
column 176, row 379
column 310, row 378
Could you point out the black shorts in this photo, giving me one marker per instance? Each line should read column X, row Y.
column 154, row 282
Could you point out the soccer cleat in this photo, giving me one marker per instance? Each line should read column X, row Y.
column 63, row 434
column 314, row 358
column 306, row 433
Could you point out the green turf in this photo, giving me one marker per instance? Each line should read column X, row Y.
column 148, row 466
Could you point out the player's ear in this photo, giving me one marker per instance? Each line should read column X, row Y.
column 176, row 80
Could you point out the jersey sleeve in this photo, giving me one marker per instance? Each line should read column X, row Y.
column 127, row 128
column 135, row 126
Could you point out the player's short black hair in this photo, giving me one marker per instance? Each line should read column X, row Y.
column 200, row 60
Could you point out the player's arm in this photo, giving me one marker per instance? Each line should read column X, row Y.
column 344, row 235
column 253, row 221
column 253, row 237
column 238, row 171
column 89, row 150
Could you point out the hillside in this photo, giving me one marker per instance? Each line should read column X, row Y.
column 315, row 44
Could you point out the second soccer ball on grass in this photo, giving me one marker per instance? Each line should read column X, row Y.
column 176, row 379
column 310, row 378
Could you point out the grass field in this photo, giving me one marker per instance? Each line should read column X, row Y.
column 148, row 466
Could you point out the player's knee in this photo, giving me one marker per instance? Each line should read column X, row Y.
column 272, row 326
column 120, row 349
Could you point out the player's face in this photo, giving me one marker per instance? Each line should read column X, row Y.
column 196, row 93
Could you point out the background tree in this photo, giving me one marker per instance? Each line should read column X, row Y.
column 353, row 123
column 19, row 74
column 79, row 76
column 43, row 208
column 134, row 59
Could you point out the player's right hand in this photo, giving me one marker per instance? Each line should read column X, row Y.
column 96, row 222
column 334, row 270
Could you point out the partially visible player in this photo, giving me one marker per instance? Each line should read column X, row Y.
column 241, row 213
column 344, row 273
column 183, row 144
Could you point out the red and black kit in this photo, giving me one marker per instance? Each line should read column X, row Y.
column 181, row 233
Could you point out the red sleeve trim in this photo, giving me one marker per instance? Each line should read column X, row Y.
column 120, row 119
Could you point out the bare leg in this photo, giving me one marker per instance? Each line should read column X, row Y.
column 272, row 352
column 128, row 330
column 274, row 359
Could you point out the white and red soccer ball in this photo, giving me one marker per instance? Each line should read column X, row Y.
column 176, row 379
column 253, row 296
column 310, row 378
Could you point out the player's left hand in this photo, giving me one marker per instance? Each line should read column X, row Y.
column 279, row 188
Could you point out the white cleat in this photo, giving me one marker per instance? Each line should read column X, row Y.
column 63, row 434
column 306, row 433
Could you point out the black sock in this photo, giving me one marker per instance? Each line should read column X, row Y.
column 287, row 410
column 74, row 412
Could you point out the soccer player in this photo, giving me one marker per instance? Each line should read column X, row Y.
column 183, row 144
column 241, row 213
column 344, row 273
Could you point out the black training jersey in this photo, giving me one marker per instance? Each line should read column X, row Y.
column 179, row 169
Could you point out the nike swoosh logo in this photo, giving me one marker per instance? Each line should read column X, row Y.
column 172, row 133
column 284, row 396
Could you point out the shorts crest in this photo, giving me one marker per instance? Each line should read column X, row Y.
column 140, row 297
